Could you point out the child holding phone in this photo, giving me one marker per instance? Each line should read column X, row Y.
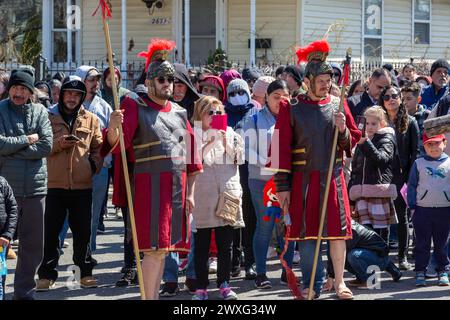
column 370, row 187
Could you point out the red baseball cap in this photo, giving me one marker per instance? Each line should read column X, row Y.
column 438, row 138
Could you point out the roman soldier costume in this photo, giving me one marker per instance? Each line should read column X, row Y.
column 160, row 143
column 305, row 128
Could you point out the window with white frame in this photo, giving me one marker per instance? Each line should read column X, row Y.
column 372, row 29
column 65, row 42
column 422, row 21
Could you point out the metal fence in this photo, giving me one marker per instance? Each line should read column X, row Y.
column 130, row 76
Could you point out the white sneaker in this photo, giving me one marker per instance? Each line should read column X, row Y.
column 296, row 259
column 212, row 265
column 271, row 253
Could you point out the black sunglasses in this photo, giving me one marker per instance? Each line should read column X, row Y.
column 393, row 96
column 240, row 92
column 212, row 112
column 162, row 80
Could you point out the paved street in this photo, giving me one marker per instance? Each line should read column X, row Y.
column 109, row 255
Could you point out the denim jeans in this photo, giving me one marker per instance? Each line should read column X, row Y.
column 306, row 250
column 264, row 229
column 63, row 233
column 99, row 189
column 172, row 263
column 358, row 260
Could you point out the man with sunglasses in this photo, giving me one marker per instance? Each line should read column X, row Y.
column 160, row 145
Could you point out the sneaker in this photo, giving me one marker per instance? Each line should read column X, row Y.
column 250, row 273
column 443, row 279
column 226, row 293
column 236, row 272
column 88, row 282
column 183, row 265
column 262, row 282
column 213, row 265
column 169, row 289
column 296, row 259
column 200, row 295
column 404, row 264
column 420, row 279
column 272, row 253
column 190, row 285
column 15, row 243
column 129, row 278
column 65, row 245
column 395, row 272
column 44, row 285
column 11, row 254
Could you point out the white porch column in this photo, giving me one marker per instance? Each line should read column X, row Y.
column 46, row 31
column 177, row 28
column 69, row 35
column 252, row 31
column 124, row 36
column 187, row 32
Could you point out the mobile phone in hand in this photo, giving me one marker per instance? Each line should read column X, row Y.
column 219, row 122
column 361, row 124
column 72, row 138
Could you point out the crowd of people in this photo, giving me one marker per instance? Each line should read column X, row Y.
column 59, row 151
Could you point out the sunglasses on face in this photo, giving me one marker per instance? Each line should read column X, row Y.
column 213, row 112
column 393, row 96
column 162, row 80
column 240, row 92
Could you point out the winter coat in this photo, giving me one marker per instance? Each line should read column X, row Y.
column 72, row 169
column 237, row 113
column 220, row 174
column 359, row 103
column 23, row 165
column 372, row 175
column 8, row 210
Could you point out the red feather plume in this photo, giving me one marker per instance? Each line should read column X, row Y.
column 319, row 46
column 154, row 46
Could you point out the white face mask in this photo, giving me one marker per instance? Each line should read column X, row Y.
column 239, row 100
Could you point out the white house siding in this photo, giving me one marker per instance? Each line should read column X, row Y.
column 345, row 18
column 274, row 19
column 139, row 28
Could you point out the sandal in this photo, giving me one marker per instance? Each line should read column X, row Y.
column 344, row 294
column 305, row 294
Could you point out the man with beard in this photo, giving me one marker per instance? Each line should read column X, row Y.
column 25, row 142
column 305, row 130
column 160, row 144
column 95, row 104
column 184, row 92
column 75, row 158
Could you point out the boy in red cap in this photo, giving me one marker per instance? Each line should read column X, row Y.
column 429, row 201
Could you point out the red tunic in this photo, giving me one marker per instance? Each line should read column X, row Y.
column 305, row 205
column 146, row 193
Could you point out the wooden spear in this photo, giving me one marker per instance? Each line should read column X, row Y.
column 107, row 12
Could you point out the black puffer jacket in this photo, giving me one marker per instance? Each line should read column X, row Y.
column 372, row 167
column 8, row 210
column 408, row 150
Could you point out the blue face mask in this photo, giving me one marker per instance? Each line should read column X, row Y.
column 239, row 100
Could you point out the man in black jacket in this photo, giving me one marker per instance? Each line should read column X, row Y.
column 377, row 82
column 366, row 252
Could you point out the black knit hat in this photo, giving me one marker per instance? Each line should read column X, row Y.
column 21, row 78
column 439, row 63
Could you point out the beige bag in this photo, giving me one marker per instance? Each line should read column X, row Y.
column 228, row 207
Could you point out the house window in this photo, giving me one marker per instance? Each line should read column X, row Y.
column 372, row 29
column 422, row 21
column 62, row 52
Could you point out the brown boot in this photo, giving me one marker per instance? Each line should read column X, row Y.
column 88, row 282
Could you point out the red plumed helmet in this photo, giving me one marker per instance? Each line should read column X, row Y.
column 317, row 50
column 158, row 49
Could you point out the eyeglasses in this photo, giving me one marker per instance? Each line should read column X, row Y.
column 212, row 112
column 388, row 97
column 162, row 80
column 240, row 92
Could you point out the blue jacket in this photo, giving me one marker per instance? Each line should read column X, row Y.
column 429, row 96
column 23, row 165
